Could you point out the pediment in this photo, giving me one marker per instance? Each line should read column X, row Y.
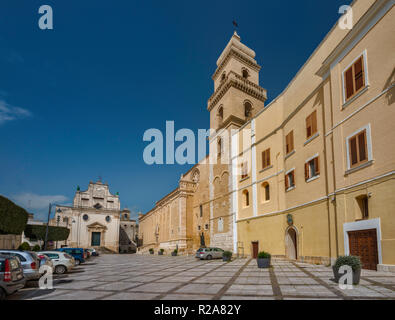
column 96, row 225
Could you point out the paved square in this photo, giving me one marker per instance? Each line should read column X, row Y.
column 152, row 277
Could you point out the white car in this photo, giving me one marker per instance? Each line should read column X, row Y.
column 62, row 261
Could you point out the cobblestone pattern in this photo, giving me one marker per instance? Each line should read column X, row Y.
column 140, row 277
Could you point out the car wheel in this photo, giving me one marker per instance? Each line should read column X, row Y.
column 77, row 262
column 2, row 294
column 209, row 257
column 60, row 269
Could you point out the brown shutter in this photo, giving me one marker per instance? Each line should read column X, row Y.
column 306, row 170
column 268, row 157
column 353, row 151
column 314, row 122
column 286, row 182
column 263, row 159
column 358, row 74
column 362, row 146
column 317, row 165
column 349, row 83
column 291, row 140
column 287, row 150
column 308, row 126
column 293, row 177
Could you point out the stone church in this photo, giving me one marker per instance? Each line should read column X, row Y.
column 95, row 220
column 201, row 211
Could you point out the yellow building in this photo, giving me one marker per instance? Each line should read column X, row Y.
column 309, row 176
column 319, row 158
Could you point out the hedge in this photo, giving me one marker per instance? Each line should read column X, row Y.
column 33, row 231
column 13, row 218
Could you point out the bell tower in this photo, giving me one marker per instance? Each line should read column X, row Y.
column 236, row 99
column 237, row 95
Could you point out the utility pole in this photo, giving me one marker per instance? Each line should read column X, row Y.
column 57, row 224
column 46, row 231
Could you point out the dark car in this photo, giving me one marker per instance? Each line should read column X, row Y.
column 11, row 275
column 77, row 253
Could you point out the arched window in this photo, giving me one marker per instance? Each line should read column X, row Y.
column 221, row 114
column 246, row 198
column 245, row 73
column 265, row 189
column 219, row 146
column 220, row 225
column 247, row 109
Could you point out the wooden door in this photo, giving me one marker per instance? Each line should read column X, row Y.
column 363, row 243
column 254, row 249
column 96, row 239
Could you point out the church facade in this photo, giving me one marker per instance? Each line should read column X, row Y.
column 93, row 219
column 308, row 177
column 201, row 210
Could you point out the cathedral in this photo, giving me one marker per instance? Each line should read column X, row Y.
column 95, row 220
column 201, row 210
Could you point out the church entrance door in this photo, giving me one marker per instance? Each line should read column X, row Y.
column 96, row 239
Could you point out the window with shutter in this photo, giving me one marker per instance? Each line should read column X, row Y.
column 266, row 158
column 358, row 149
column 311, row 124
column 311, row 168
column 354, row 78
column 290, row 180
column 244, row 170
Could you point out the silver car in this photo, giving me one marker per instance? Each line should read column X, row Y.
column 209, row 253
column 29, row 261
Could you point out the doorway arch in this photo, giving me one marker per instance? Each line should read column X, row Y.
column 291, row 243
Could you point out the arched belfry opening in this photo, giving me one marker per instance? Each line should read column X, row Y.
column 291, row 243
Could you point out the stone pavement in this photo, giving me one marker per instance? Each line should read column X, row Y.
column 138, row 277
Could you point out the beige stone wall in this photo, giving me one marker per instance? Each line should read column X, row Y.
column 10, row 241
column 322, row 207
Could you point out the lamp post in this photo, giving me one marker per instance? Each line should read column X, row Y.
column 57, row 224
column 46, row 231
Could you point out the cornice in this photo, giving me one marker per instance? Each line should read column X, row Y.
column 235, row 54
column 238, row 82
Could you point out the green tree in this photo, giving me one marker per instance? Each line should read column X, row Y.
column 13, row 218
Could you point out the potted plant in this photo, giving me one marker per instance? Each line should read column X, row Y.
column 263, row 259
column 174, row 253
column 352, row 261
column 151, row 251
column 227, row 256
column 160, row 252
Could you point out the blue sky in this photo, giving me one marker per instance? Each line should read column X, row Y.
column 75, row 101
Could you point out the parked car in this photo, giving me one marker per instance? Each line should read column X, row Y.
column 77, row 253
column 44, row 260
column 209, row 253
column 11, row 275
column 62, row 261
column 30, row 263
column 93, row 252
